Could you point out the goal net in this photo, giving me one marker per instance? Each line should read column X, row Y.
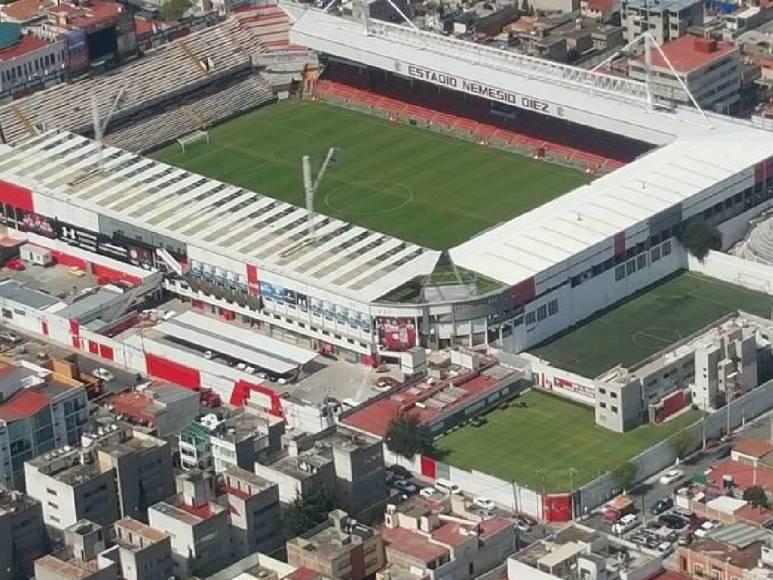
column 192, row 138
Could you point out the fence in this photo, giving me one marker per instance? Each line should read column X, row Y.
column 660, row 456
column 751, row 275
column 560, row 382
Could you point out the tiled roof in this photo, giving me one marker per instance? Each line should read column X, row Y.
column 23, row 405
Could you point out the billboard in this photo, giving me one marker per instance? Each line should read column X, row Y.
column 38, row 224
column 396, row 334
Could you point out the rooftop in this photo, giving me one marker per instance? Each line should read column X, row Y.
column 88, row 14
column 302, row 466
column 743, row 476
column 756, row 448
column 26, row 44
column 662, row 5
column 187, row 514
column 747, row 558
column 23, row 10
column 246, row 482
column 412, row 544
column 688, row 53
column 66, row 570
column 12, row 500
column 139, row 529
column 16, row 292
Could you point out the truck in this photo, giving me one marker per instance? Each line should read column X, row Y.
column 617, row 508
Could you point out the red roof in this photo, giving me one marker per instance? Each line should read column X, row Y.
column 492, row 527
column 88, row 15
column 744, row 476
column 28, row 43
column 23, row 405
column 754, row 515
column 375, row 417
column 204, row 512
column 412, row 544
column 303, row 574
column 601, row 5
column 753, row 447
column 688, row 53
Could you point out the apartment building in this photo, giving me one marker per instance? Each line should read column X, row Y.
column 40, row 410
column 52, row 568
column 199, row 528
column 255, row 514
column 23, row 532
column 666, row 20
column 145, row 553
column 166, row 408
column 299, row 473
column 739, row 551
column 342, row 548
column 710, row 70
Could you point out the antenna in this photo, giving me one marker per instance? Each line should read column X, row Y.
column 310, row 184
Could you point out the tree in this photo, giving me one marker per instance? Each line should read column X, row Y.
column 756, row 496
column 305, row 512
column 406, row 437
column 681, row 444
column 174, row 9
column 699, row 237
column 625, row 475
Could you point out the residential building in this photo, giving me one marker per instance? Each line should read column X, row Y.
column 199, row 528
column 300, row 473
column 737, row 551
column 28, row 13
column 52, row 568
column 85, row 540
column 145, row 553
column 601, row 10
column 262, row 567
column 340, row 548
column 425, row 540
column 40, row 410
column 71, row 486
column 29, row 62
column 194, row 446
column 577, row 551
column 255, row 514
column 666, row 20
column 709, row 369
column 23, row 532
column 710, row 70
column 166, row 408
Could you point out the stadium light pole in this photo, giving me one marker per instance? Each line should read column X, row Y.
column 310, row 184
column 100, row 125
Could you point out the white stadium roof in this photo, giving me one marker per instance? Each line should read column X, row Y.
column 615, row 104
column 347, row 260
column 550, row 234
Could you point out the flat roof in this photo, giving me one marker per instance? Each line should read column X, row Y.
column 688, row 53
column 210, row 215
column 662, row 5
column 204, row 339
column 13, row 290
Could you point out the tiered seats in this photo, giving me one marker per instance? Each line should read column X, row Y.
column 175, row 69
column 483, row 132
column 593, row 148
column 269, row 25
column 220, row 102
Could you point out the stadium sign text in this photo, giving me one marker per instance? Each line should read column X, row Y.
column 479, row 89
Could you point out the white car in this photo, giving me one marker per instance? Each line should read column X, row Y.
column 427, row 492
column 104, row 374
column 671, row 476
column 483, row 502
column 705, row 528
column 625, row 524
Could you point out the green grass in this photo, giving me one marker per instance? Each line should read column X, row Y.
column 552, row 435
column 408, row 182
column 649, row 322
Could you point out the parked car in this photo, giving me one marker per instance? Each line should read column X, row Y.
column 405, row 487
column 625, row 524
column 483, row 502
column 446, row 486
column 705, row 528
column 684, row 539
column 16, row 265
column 521, row 524
column 673, row 522
column 427, row 492
column 665, row 548
column 10, row 337
column 75, row 271
column 399, row 471
column 671, row 476
column 103, row 374
column 662, row 505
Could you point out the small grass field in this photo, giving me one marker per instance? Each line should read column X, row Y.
column 403, row 181
column 649, row 322
column 536, row 446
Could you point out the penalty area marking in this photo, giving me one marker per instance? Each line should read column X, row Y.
column 402, row 192
column 654, row 336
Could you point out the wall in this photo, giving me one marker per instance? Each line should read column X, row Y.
column 561, row 382
column 735, row 270
column 735, row 228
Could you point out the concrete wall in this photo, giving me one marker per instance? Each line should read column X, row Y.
column 561, row 382
column 735, row 270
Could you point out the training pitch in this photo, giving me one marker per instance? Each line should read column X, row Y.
column 407, row 182
column 648, row 322
column 537, row 446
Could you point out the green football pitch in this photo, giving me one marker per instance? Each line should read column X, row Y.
column 539, row 444
column 648, row 322
column 404, row 181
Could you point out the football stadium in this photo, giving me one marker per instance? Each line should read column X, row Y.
column 453, row 194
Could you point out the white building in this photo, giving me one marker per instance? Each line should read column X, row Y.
column 666, row 20
column 145, row 553
column 711, row 71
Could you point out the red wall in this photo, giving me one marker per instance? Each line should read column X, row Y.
column 242, row 390
column 106, row 352
column 524, row 292
column 619, row 243
column 253, row 279
column 112, row 275
column 19, row 197
column 173, row 372
column 68, row 260
column 428, row 467
column 557, row 507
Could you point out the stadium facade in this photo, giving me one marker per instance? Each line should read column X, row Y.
column 247, row 255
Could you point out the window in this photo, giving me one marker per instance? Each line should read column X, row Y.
column 630, row 267
column 641, row 261
column 542, row 312
column 614, row 409
column 531, row 317
column 619, row 273
column 613, row 395
column 655, row 254
column 603, row 405
column 552, row 307
column 602, row 391
column 666, row 248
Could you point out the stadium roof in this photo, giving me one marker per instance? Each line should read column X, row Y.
column 615, row 104
column 347, row 260
column 571, row 224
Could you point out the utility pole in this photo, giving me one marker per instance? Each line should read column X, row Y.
column 515, row 496
column 572, row 471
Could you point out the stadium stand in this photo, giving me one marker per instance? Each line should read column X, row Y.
column 270, row 26
column 458, row 112
column 218, row 103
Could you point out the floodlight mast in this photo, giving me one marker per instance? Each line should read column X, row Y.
column 100, row 125
column 310, row 184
